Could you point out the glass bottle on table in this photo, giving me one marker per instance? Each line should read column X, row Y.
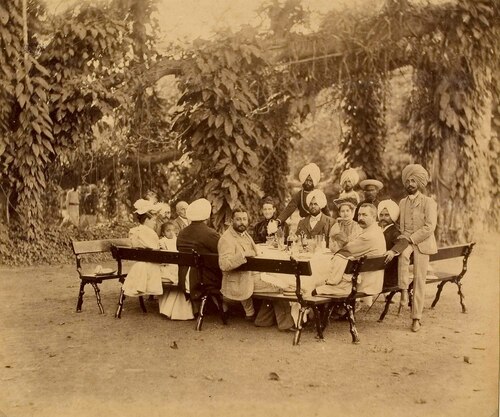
column 280, row 235
column 291, row 240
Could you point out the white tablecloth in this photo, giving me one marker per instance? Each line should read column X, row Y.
column 320, row 267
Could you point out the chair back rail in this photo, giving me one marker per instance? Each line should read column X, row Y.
column 96, row 246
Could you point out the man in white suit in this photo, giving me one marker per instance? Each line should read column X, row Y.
column 370, row 242
column 418, row 219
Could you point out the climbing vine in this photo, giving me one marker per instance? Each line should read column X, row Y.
column 364, row 138
column 219, row 128
column 446, row 112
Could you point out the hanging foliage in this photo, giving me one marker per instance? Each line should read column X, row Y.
column 219, row 129
column 446, row 113
column 364, row 138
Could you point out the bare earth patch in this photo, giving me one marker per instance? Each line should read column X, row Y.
column 54, row 361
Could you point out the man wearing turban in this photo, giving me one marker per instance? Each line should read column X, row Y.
column 388, row 214
column 316, row 223
column 348, row 181
column 309, row 177
column 200, row 237
column 418, row 223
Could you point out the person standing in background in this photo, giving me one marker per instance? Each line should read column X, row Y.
column 418, row 220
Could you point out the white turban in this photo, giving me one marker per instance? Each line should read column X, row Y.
column 417, row 172
column 349, row 174
column 144, row 206
column 391, row 207
column 319, row 196
column 312, row 170
column 199, row 210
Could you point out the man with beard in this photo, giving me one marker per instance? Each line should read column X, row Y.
column 309, row 177
column 369, row 242
column 348, row 181
column 388, row 214
column 418, row 223
column 317, row 223
column 371, row 189
column 235, row 245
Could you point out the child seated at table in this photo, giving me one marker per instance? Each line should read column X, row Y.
column 172, row 303
column 144, row 278
column 168, row 239
column 345, row 228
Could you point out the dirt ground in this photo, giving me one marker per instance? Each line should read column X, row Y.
column 55, row 362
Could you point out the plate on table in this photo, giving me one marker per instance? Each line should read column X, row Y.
column 104, row 271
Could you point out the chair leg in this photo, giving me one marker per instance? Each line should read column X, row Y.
column 352, row 322
column 119, row 308
column 80, row 297
column 462, row 296
column 317, row 319
column 217, row 299
column 199, row 321
column 98, row 297
column 143, row 306
column 387, row 305
column 298, row 332
column 438, row 293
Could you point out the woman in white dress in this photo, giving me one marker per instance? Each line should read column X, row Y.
column 173, row 303
column 144, row 278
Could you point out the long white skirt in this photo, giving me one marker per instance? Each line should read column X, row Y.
column 144, row 278
column 175, row 306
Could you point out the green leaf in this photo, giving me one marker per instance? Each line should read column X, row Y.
column 4, row 16
column 228, row 126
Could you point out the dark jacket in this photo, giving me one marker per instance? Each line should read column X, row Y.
column 202, row 239
column 398, row 245
column 323, row 227
column 298, row 201
column 260, row 231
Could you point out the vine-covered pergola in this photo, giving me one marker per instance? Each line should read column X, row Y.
column 242, row 92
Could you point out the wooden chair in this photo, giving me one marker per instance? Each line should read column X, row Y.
column 82, row 249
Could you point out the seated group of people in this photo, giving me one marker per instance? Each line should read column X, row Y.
column 364, row 227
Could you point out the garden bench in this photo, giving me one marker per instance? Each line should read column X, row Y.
column 441, row 277
column 365, row 264
column 85, row 249
column 193, row 260
column 199, row 261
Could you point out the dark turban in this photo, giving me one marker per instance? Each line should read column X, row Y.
column 417, row 172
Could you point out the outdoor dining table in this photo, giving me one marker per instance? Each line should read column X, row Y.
column 320, row 266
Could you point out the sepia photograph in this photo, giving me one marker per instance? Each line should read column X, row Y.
column 269, row 208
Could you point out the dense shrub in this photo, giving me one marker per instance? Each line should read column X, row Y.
column 53, row 247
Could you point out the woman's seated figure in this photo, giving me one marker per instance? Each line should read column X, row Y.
column 144, row 278
column 345, row 228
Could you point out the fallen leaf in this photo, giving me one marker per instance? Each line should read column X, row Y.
column 479, row 348
column 395, row 373
column 62, row 323
column 479, row 334
column 273, row 376
column 173, row 345
column 8, row 366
